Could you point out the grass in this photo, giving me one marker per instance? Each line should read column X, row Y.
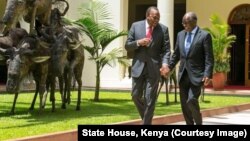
column 112, row 107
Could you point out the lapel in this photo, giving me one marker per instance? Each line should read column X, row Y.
column 196, row 38
column 143, row 29
column 155, row 31
column 155, row 35
column 182, row 43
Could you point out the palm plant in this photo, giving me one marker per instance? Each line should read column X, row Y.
column 222, row 40
column 94, row 22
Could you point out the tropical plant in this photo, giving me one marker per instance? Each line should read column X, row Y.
column 222, row 41
column 94, row 22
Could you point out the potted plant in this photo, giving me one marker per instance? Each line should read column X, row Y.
column 222, row 41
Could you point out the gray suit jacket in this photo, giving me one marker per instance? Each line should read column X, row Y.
column 199, row 60
column 154, row 55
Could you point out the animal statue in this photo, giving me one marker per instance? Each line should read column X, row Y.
column 29, row 10
column 67, row 57
column 67, row 60
column 13, row 37
column 171, row 78
column 28, row 58
column 202, row 97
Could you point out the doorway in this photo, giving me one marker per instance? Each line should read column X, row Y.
column 137, row 12
column 239, row 20
column 237, row 66
column 247, row 58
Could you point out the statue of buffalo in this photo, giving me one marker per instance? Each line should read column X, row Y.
column 29, row 10
column 27, row 58
column 13, row 37
column 67, row 57
column 67, row 61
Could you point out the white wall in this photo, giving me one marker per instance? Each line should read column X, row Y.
column 204, row 9
column 110, row 76
column 89, row 71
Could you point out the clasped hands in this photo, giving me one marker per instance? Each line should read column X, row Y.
column 206, row 81
column 164, row 70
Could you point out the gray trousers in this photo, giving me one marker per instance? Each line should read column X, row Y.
column 144, row 94
column 189, row 96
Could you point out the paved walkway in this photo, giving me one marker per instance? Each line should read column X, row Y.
column 238, row 118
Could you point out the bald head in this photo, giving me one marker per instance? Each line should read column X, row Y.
column 150, row 9
column 190, row 16
column 189, row 21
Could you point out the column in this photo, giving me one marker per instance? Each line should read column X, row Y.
column 166, row 8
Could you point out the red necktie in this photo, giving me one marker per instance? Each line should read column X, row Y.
column 149, row 32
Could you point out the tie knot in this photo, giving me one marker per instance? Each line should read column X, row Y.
column 149, row 32
column 150, row 29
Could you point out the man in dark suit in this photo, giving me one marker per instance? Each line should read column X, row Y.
column 150, row 42
column 194, row 51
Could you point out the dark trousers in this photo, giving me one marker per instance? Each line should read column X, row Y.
column 144, row 93
column 189, row 96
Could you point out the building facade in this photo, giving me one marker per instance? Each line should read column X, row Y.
column 124, row 12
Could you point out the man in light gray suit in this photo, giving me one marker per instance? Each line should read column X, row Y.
column 150, row 42
column 194, row 50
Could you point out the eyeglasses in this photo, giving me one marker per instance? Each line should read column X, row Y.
column 154, row 18
column 185, row 22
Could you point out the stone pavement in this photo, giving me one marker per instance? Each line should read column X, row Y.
column 237, row 118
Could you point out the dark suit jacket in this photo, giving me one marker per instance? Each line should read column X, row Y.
column 199, row 60
column 155, row 54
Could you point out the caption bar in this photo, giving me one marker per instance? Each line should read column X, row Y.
column 164, row 131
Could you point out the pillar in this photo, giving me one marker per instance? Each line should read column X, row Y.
column 166, row 8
